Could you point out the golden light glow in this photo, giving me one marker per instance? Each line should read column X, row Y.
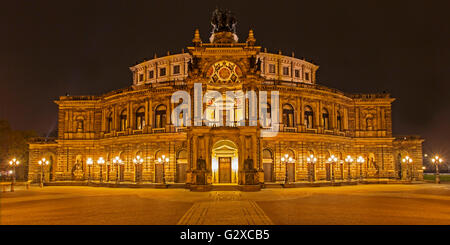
column 437, row 159
column 89, row 161
column 360, row 159
column 43, row 161
column 311, row 159
column 332, row 158
column 138, row 160
column 117, row 160
column 407, row 159
column 349, row 159
column 101, row 160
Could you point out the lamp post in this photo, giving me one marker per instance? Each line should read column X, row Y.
column 311, row 160
column 13, row 163
column 332, row 160
column 89, row 162
column 137, row 162
column 117, row 161
column 41, row 163
column 100, row 162
column 285, row 160
column 407, row 160
column 163, row 160
column 349, row 161
column 437, row 160
column 360, row 160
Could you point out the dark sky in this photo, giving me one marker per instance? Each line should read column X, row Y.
column 49, row 48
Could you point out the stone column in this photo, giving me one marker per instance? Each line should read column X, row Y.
column 194, row 152
column 254, row 151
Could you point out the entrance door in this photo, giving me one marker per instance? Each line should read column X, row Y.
column 268, row 169
column 398, row 167
column 328, row 171
column 181, row 172
column 158, row 173
column 121, row 173
column 138, row 173
column 311, row 172
column 291, row 172
column 224, row 169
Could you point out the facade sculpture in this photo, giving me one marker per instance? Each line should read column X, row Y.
column 319, row 128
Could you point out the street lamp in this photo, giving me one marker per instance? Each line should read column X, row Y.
column 311, row 160
column 89, row 162
column 138, row 160
column 14, row 163
column 349, row 161
column 285, row 160
column 332, row 160
column 360, row 160
column 437, row 160
column 117, row 161
column 100, row 162
column 163, row 160
column 41, row 163
column 407, row 160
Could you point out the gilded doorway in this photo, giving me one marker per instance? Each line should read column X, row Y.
column 225, row 162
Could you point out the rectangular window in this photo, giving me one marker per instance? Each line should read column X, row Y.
column 297, row 73
column 176, row 69
column 162, row 72
column 141, row 77
column 286, row 71
column 307, row 76
column 151, row 74
column 271, row 68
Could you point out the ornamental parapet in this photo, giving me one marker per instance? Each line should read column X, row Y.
column 42, row 140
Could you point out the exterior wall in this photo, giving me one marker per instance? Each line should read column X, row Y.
column 84, row 130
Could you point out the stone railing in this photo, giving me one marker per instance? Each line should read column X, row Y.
column 42, row 140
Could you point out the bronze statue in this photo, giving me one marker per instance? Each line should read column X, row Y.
column 223, row 21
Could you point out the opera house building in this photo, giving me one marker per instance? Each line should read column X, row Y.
column 225, row 112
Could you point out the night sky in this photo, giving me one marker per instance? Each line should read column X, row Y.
column 50, row 48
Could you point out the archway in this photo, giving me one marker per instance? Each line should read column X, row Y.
column 225, row 162
column 290, row 165
column 398, row 167
column 268, row 165
column 181, row 166
column 159, row 167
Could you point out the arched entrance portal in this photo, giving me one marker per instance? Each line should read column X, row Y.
column 225, row 162
column 268, row 165
column 181, row 167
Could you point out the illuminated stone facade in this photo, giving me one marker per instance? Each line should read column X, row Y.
column 315, row 123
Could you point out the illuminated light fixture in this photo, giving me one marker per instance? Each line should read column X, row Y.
column 138, row 160
column 101, row 160
column 407, row 159
column 311, row 159
column 89, row 161
column 348, row 159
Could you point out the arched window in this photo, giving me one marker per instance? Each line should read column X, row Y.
column 267, row 154
column 266, row 115
column 160, row 116
column 123, row 120
column 182, row 154
column 339, row 121
column 140, row 118
column 369, row 122
column 181, row 119
column 288, row 115
column 80, row 124
column 289, row 153
column 309, row 117
column 109, row 122
column 325, row 119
